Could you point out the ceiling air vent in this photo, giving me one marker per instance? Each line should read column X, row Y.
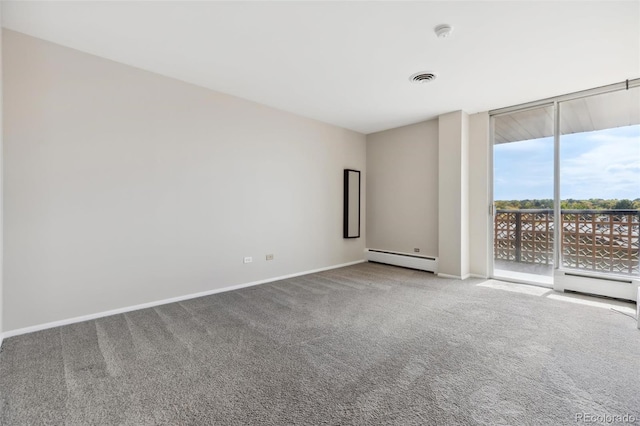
column 422, row 77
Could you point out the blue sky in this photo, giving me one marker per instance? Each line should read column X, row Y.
column 601, row 164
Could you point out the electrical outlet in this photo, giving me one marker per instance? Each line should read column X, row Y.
column 248, row 259
column 416, row 250
column 269, row 257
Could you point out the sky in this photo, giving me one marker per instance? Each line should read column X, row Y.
column 600, row 164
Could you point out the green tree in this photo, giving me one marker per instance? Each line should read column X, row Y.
column 623, row 205
column 570, row 204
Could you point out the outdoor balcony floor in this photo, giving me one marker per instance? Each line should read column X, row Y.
column 531, row 273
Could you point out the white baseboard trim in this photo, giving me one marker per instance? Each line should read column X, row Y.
column 89, row 317
column 484, row 277
column 1, row 339
column 455, row 277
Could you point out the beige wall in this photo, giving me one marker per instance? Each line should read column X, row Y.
column 1, row 192
column 124, row 187
column 418, row 191
column 453, row 194
column 464, row 195
column 402, row 185
column 479, row 229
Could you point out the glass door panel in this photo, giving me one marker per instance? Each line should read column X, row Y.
column 523, row 188
column 600, row 183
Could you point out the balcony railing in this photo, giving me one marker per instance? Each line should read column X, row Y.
column 593, row 240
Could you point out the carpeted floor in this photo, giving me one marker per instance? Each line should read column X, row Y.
column 367, row 344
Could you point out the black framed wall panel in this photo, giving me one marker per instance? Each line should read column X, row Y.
column 351, row 228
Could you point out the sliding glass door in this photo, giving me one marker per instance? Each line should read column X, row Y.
column 566, row 186
column 600, row 183
column 523, row 159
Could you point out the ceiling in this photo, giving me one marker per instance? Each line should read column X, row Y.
column 348, row 63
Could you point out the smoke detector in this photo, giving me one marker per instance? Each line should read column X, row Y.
column 443, row 31
column 422, row 77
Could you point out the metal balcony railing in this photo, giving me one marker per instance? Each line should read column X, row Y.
column 593, row 240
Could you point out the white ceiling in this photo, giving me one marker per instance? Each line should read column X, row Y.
column 348, row 63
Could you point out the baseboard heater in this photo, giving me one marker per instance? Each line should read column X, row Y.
column 405, row 260
column 619, row 288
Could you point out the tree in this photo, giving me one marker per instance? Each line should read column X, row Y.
column 623, row 205
column 570, row 204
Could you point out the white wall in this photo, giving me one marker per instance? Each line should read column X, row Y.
column 124, row 187
column 402, row 185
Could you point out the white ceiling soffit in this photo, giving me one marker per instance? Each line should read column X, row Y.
column 604, row 111
column 348, row 63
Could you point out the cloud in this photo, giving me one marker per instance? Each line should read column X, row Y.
column 600, row 164
column 607, row 167
column 524, row 170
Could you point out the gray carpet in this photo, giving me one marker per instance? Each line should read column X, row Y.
column 367, row 344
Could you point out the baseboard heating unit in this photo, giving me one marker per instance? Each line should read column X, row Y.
column 616, row 287
column 405, row 260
